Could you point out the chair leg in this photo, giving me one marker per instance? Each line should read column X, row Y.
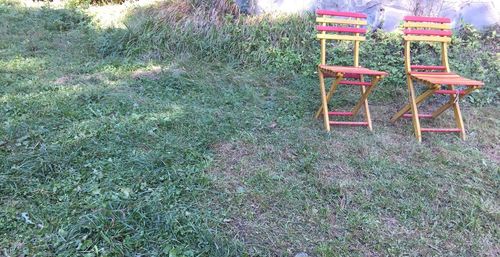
column 368, row 117
column 414, row 110
column 458, row 114
column 418, row 100
column 365, row 95
column 450, row 103
column 332, row 90
column 443, row 108
column 324, row 102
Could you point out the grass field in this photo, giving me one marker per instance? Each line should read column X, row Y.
column 132, row 156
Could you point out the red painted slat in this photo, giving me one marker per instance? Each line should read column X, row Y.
column 363, row 72
column 444, row 33
column 341, row 29
column 355, row 83
column 346, row 76
column 340, row 113
column 444, row 130
column 427, row 19
column 431, row 73
column 352, row 76
column 445, row 81
column 341, row 14
column 352, row 70
column 422, row 116
column 462, row 83
column 349, row 123
column 426, row 67
column 449, row 92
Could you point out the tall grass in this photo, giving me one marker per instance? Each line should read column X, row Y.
column 170, row 28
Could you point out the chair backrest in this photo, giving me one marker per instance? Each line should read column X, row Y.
column 335, row 25
column 427, row 29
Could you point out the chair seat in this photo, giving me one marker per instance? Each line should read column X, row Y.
column 333, row 70
column 444, row 78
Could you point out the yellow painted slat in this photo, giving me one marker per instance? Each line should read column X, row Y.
column 436, row 75
column 340, row 37
column 340, row 21
column 426, row 25
column 428, row 39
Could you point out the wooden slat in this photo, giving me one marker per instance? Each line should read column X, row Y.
column 355, row 83
column 410, row 24
column 426, row 19
column 340, row 37
column 352, row 76
column 450, row 92
column 429, row 76
column 427, row 32
column 455, row 82
column 448, row 80
column 431, row 73
column 347, row 76
column 340, row 29
column 443, row 130
column 428, row 39
column 420, row 115
column 432, row 79
column 427, row 67
column 340, row 21
column 351, row 70
column 349, row 123
column 341, row 14
column 340, row 113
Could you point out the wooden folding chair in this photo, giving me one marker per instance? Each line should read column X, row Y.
column 348, row 27
column 438, row 79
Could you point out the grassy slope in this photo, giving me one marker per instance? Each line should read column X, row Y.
column 117, row 156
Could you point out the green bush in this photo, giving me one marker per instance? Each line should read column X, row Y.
column 77, row 3
column 62, row 19
column 286, row 44
column 475, row 54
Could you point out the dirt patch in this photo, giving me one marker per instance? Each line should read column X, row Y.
column 258, row 218
column 229, row 158
column 339, row 173
column 493, row 153
column 492, row 251
column 63, row 80
column 152, row 73
column 85, row 78
column 236, row 162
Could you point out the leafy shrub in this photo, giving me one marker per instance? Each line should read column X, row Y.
column 62, row 19
column 77, row 3
column 474, row 54
column 11, row 3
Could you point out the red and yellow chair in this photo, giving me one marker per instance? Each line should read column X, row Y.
column 438, row 79
column 335, row 25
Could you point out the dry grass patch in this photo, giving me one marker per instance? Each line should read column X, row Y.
column 152, row 73
column 266, row 214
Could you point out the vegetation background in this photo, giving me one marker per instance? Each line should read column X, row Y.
column 183, row 128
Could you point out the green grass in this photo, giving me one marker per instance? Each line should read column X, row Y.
column 136, row 156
